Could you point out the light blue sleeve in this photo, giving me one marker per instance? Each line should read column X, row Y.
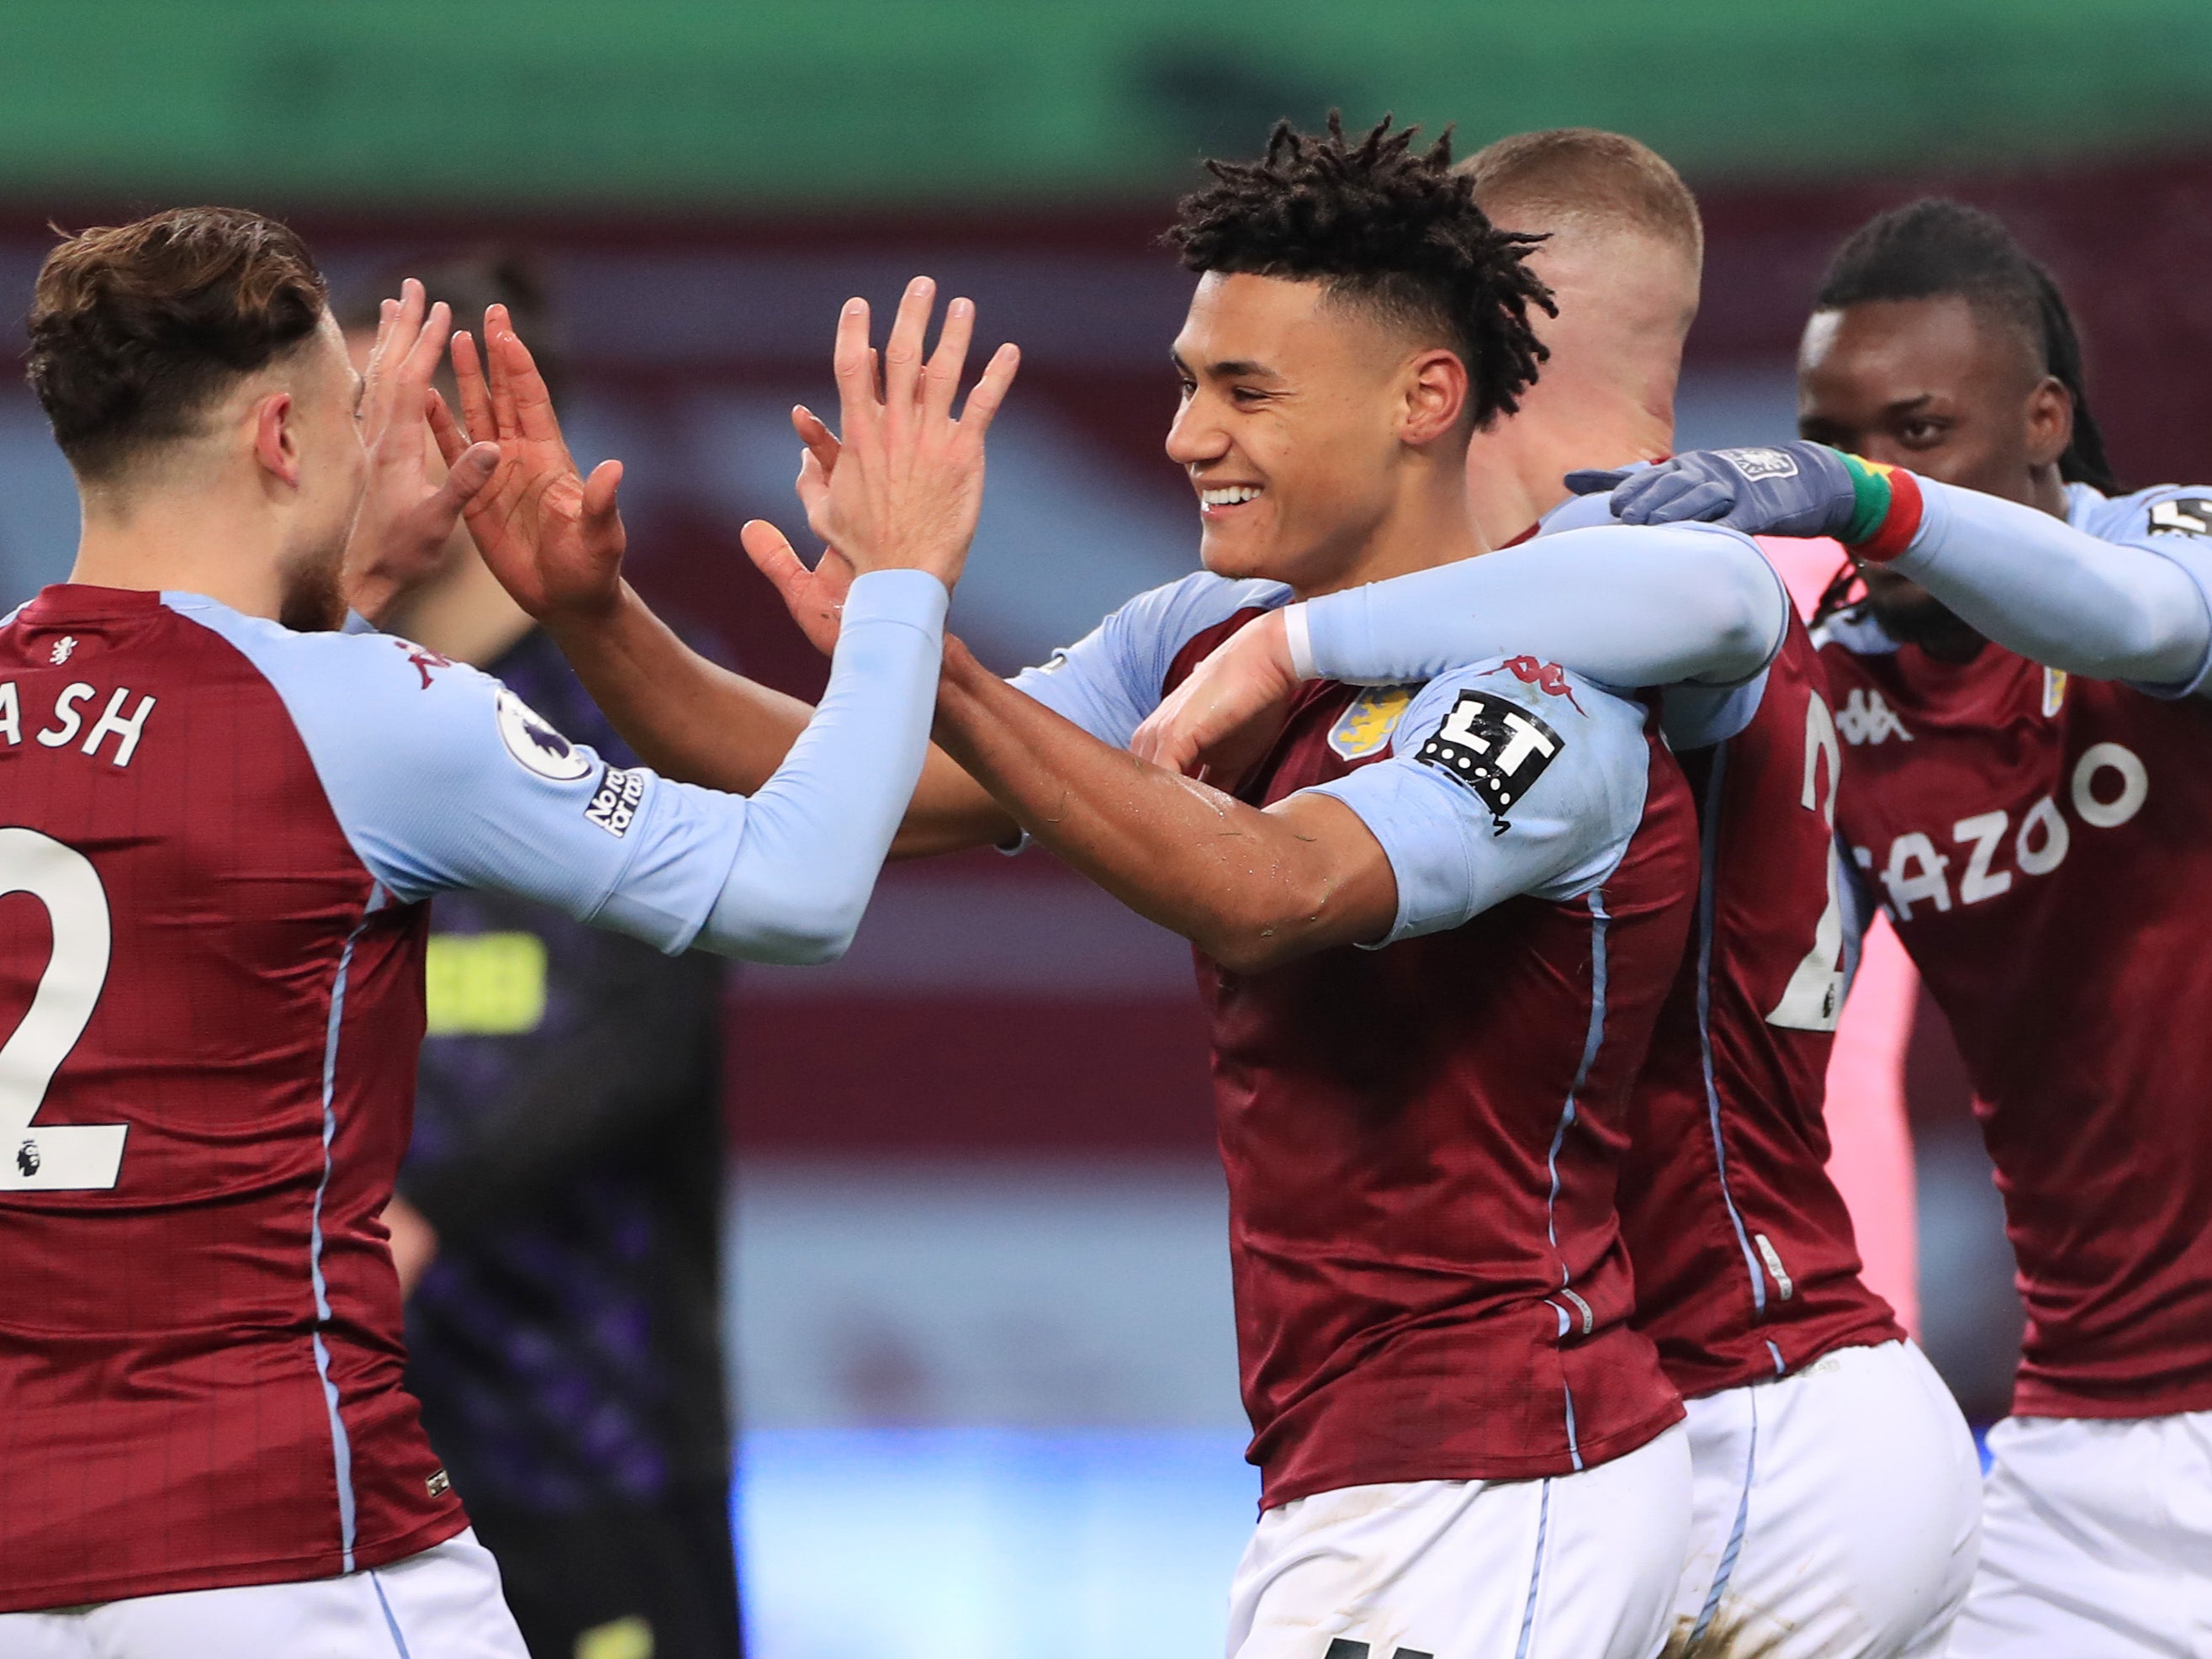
column 2123, row 593
column 442, row 778
column 1110, row 680
column 1624, row 605
column 1498, row 787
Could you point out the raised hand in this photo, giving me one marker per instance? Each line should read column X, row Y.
column 406, row 517
column 905, row 489
column 1795, row 489
column 553, row 538
column 1220, row 720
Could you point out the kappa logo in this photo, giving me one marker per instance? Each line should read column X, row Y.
column 1866, row 719
column 1367, row 726
column 1495, row 748
column 2184, row 515
column 535, row 746
column 424, row 660
column 614, row 804
column 1546, row 676
column 1756, row 464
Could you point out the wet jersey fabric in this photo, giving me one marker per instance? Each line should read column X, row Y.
column 1421, row 1139
column 215, row 842
column 2036, row 840
column 1744, row 1265
column 568, row 1147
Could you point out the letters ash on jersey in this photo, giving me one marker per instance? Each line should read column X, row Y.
column 2040, row 843
column 1416, row 1299
column 211, row 934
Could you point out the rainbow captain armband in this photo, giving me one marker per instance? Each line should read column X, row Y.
column 1886, row 510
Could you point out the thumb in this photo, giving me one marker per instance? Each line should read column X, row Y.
column 771, row 552
column 470, row 471
column 599, row 490
column 1592, row 480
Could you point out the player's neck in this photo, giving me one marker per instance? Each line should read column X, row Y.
column 196, row 541
column 1428, row 525
column 1516, row 471
column 462, row 613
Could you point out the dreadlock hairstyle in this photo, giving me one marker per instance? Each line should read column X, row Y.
column 1934, row 247
column 1385, row 226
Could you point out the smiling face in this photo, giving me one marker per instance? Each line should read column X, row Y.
column 1938, row 386
column 1302, row 416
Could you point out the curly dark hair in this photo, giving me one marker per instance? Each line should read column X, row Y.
column 1384, row 225
column 136, row 329
column 1936, row 246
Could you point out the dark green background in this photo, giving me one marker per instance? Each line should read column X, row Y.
column 844, row 103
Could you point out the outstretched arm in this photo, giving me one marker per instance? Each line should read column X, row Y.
column 2133, row 608
column 1628, row 608
column 688, row 718
column 1251, row 888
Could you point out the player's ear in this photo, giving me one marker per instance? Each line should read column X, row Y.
column 276, row 443
column 2049, row 421
column 1436, row 397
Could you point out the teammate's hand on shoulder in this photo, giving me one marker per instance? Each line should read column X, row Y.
column 407, row 514
column 906, row 487
column 1793, row 489
column 552, row 537
column 1220, row 720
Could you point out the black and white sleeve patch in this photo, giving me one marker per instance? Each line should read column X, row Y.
column 2184, row 515
column 1494, row 748
column 614, row 804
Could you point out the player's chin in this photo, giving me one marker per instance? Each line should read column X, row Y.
column 1234, row 552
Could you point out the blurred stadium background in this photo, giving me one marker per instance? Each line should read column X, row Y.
column 978, row 1299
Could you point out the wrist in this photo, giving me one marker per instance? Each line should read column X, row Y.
column 1291, row 642
column 1887, row 506
column 580, row 622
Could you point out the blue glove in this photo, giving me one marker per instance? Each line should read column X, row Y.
column 1787, row 489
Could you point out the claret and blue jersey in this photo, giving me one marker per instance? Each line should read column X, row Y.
column 1421, row 1138
column 216, row 845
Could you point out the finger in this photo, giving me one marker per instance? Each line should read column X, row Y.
column 385, row 311
column 533, row 400
column 902, row 351
column 942, row 380
column 1595, row 481
column 820, row 442
column 813, row 484
column 451, row 441
column 497, row 334
column 406, row 327
column 471, row 472
column 1703, row 499
column 990, row 391
column 600, row 508
column 475, row 391
column 774, row 557
column 422, row 360
column 1650, row 492
column 859, row 413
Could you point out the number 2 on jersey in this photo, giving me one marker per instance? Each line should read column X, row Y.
column 60, row 1158
column 1814, row 998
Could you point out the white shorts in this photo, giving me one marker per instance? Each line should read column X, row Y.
column 1579, row 1566
column 444, row 1603
column 2096, row 1540
column 1838, row 1512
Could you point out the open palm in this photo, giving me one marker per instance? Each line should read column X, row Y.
column 552, row 537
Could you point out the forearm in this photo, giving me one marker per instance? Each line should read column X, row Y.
column 1626, row 606
column 1249, row 888
column 693, row 721
column 2035, row 585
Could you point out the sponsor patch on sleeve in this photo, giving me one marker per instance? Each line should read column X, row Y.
column 614, row 804
column 2184, row 515
column 1493, row 748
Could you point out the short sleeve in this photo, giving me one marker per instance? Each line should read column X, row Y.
column 442, row 778
column 1110, row 680
column 1501, row 786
